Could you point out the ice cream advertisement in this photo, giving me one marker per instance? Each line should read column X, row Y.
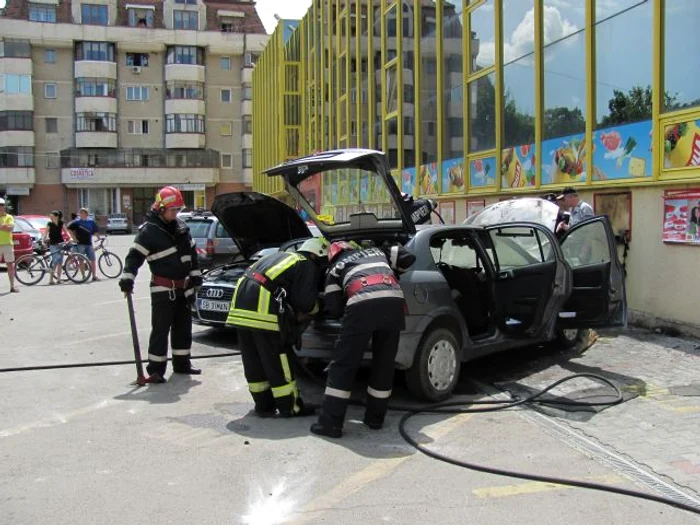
column 428, row 179
column 518, row 166
column 482, row 172
column 622, row 152
column 682, row 144
column 408, row 180
column 453, row 176
column 682, row 217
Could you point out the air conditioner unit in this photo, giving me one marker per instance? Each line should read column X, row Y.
column 136, row 69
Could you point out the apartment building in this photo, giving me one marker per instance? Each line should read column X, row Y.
column 102, row 102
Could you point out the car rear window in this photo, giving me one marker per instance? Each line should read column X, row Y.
column 39, row 223
column 199, row 228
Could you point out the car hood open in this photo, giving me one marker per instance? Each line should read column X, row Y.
column 256, row 221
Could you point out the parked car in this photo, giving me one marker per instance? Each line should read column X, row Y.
column 214, row 245
column 27, row 227
column 118, row 222
column 260, row 225
column 39, row 222
column 498, row 283
column 22, row 242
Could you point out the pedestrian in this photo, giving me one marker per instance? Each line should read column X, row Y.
column 272, row 300
column 362, row 285
column 7, row 247
column 562, row 216
column 578, row 209
column 54, row 235
column 165, row 242
column 82, row 231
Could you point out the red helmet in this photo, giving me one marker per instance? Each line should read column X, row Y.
column 168, row 197
column 337, row 248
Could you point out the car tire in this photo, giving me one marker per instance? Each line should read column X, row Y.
column 436, row 366
column 567, row 338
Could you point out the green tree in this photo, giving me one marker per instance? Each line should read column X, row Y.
column 562, row 122
column 633, row 106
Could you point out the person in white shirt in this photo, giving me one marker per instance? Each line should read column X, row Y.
column 579, row 210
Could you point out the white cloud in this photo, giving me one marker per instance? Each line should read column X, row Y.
column 292, row 9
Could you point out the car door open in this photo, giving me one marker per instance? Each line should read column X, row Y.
column 598, row 297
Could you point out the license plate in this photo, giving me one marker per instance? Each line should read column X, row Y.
column 213, row 306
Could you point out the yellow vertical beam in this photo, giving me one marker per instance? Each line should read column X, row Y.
column 539, row 90
column 398, row 9
column 282, row 136
column 498, row 11
column 323, row 41
column 466, row 71
column 348, row 83
column 303, row 59
column 658, row 87
column 382, row 20
column 590, row 88
column 417, row 35
column 336, row 65
column 371, row 110
column 358, row 73
column 439, row 5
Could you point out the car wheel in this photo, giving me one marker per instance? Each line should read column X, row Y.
column 436, row 365
column 568, row 337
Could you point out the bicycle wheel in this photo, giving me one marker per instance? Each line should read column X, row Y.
column 30, row 269
column 110, row 264
column 77, row 268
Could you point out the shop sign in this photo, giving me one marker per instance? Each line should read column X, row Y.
column 82, row 173
column 190, row 187
column 17, row 191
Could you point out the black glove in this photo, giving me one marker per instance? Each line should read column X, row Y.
column 196, row 281
column 126, row 285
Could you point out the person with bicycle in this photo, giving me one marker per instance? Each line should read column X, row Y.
column 7, row 248
column 82, row 231
column 165, row 242
column 54, row 235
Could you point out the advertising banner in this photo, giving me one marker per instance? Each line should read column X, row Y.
column 482, row 172
column 682, row 217
column 453, row 176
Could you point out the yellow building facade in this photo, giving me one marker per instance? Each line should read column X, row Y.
column 481, row 100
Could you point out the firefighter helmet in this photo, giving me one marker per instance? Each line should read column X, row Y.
column 168, row 197
column 316, row 245
column 339, row 247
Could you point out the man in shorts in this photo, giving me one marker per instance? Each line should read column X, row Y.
column 7, row 248
column 82, row 230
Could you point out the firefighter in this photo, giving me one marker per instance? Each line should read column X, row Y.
column 364, row 284
column 272, row 300
column 165, row 242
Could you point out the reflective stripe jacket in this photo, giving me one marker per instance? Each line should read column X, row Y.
column 254, row 307
column 353, row 265
column 168, row 248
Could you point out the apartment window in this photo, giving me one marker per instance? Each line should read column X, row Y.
column 137, row 59
column 186, row 2
column 17, row 157
column 42, row 13
column 225, row 63
column 137, row 93
column 96, row 122
column 16, row 84
column 185, row 55
column 95, row 87
column 16, row 121
column 226, row 160
column 50, row 90
column 53, row 160
column 140, row 17
column 99, row 51
column 247, row 158
column 137, row 127
column 247, row 92
column 226, row 95
column 11, row 48
column 226, row 129
column 184, row 123
column 230, row 25
column 94, row 14
column 247, row 124
column 249, row 59
column 179, row 89
column 185, row 19
column 51, row 125
column 49, row 56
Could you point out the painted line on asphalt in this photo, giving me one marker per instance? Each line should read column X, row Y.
column 122, row 300
column 373, row 472
column 536, row 487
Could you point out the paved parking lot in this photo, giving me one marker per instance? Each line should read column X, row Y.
column 80, row 445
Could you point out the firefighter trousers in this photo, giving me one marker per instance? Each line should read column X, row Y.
column 169, row 317
column 268, row 367
column 347, row 356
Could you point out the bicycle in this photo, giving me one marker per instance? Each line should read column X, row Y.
column 31, row 268
column 110, row 263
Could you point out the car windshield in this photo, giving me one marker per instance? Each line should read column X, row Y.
column 199, row 229
column 25, row 226
column 38, row 222
column 339, row 194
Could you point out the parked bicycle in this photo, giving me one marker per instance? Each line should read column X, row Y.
column 110, row 263
column 31, row 268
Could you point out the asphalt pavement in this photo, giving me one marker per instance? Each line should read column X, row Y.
column 83, row 446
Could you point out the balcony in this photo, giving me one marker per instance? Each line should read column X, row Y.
column 22, row 177
column 247, row 107
column 95, row 139
column 16, row 66
column 16, row 138
column 189, row 72
column 185, row 106
column 247, row 75
column 95, row 69
column 185, row 140
column 247, row 141
column 139, row 167
column 95, row 105
column 17, row 102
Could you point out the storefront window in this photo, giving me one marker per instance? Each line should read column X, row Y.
column 366, row 79
column 482, row 113
column 408, row 109
column 452, row 97
column 428, row 85
column 681, row 71
column 483, row 50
